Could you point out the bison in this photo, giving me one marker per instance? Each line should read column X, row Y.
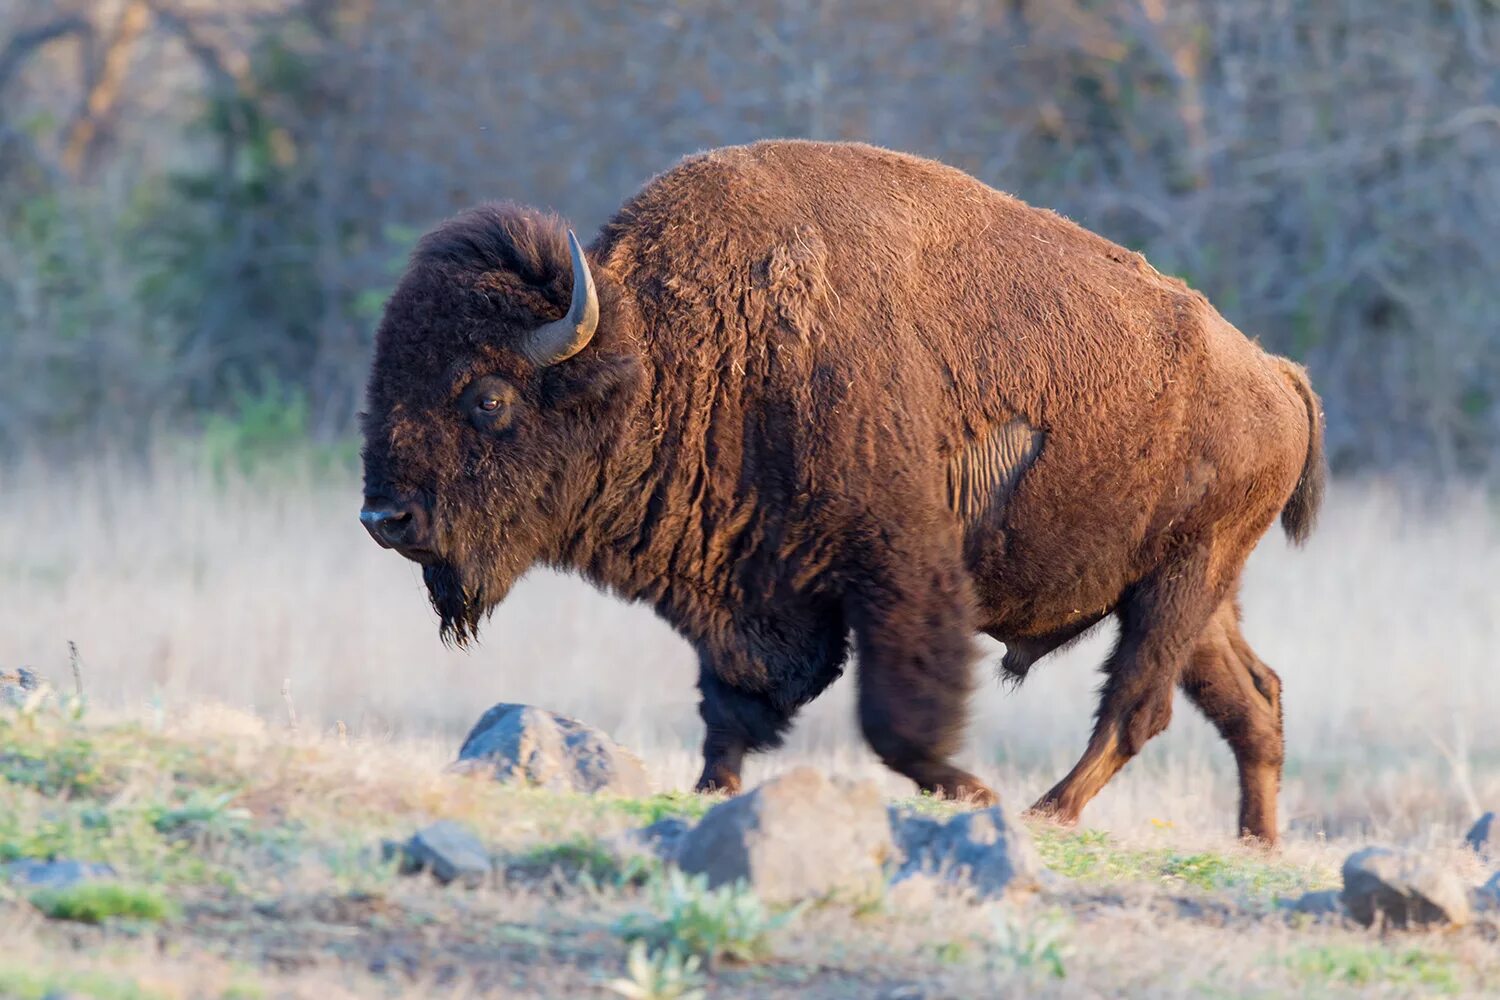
column 798, row 392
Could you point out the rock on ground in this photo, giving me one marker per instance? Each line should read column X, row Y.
column 1322, row 903
column 446, row 849
column 19, row 686
column 1486, row 898
column 798, row 836
column 978, row 853
column 1484, row 837
column 1402, row 890
column 54, row 874
column 659, row 840
column 526, row 744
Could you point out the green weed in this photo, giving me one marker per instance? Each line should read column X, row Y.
column 1038, row 946
column 200, row 817
column 730, row 922
column 661, row 975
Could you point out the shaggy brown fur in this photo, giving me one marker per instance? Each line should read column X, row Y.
column 838, row 391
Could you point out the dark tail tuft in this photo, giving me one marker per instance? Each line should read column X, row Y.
column 1301, row 512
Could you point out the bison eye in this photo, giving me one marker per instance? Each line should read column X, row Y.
column 489, row 401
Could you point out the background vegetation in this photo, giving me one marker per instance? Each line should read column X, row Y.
column 203, row 202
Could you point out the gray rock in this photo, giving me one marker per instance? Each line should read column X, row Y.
column 1486, row 899
column 1323, row 903
column 447, row 850
column 1484, row 837
column 663, row 837
column 525, row 744
column 54, row 874
column 656, row 842
column 1402, row 890
column 19, row 686
column 798, row 836
column 978, row 853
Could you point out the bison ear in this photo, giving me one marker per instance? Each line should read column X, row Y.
column 589, row 380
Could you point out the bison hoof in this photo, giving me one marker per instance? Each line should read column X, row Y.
column 1051, row 810
column 719, row 784
column 965, row 788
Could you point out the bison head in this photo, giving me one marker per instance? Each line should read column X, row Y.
column 501, row 378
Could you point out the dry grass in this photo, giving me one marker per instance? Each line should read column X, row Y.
column 180, row 589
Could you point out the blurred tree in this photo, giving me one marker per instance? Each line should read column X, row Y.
column 247, row 171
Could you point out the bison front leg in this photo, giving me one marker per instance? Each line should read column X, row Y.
column 735, row 723
column 912, row 616
column 1160, row 621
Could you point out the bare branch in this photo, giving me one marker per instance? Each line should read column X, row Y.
column 27, row 43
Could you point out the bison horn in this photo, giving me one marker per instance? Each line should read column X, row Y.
column 562, row 338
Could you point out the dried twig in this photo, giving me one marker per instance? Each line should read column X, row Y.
column 76, row 662
column 291, row 709
column 1457, row 755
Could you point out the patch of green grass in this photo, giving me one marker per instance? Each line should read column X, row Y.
column 930, row 805
column 587, row 861
column 729, row 922
column 69, row 768
column 1375, row 965
column 96, row 902
column 1090, row 855
column 579, row 856
column 25, row 982
column 664, row 805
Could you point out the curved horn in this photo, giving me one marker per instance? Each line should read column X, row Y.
column 562, row 338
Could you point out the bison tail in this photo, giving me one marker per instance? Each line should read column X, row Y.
column 1301, row 510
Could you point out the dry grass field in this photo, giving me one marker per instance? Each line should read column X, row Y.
column 192, row 597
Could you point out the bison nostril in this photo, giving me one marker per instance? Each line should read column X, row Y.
column 388, row 526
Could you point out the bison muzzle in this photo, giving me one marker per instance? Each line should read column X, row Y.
column 800, row 392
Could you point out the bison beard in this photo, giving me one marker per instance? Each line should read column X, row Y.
column 460, row 607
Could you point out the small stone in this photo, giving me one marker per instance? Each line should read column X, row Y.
column 1484, row 837
column 656, row 842
column 446, row 849
column 798, row 836
column 662, row 837
column 20, row 686
column 1402, row 890
column 979, row 853
column 1486, row 898
column 1323, row 903
column 535, row 747
column 54, row 874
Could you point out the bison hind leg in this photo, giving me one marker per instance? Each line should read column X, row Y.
column 1160, row 621
column 1241, row 696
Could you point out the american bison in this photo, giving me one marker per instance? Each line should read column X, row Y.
column 796, row 392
